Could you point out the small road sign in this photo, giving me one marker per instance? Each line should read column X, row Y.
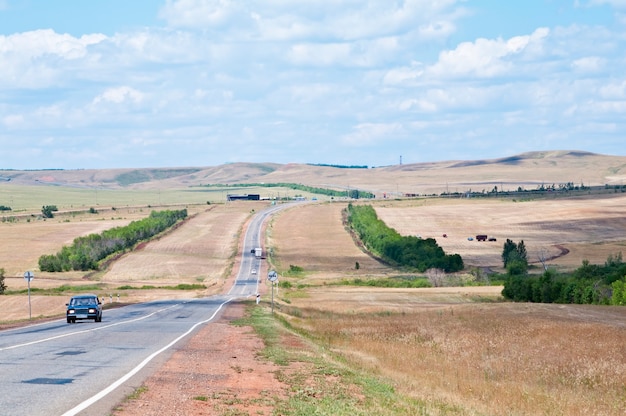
column 272, row 276
column 28, row 276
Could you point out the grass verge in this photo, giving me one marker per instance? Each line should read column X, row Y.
column 321, row 382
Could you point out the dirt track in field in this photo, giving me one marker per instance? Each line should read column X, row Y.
column 566, row 230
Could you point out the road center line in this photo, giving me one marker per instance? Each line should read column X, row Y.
column 98, row 328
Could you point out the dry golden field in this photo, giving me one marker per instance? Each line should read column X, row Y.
column 463, row 358
column 203, row 250
column 313, row 237
column 461, row 351
column 565, row 231
column 588, row 228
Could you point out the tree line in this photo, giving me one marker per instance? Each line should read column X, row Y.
column 588, row 284
column 86, row 252
column 351, row 193
column 388, row 244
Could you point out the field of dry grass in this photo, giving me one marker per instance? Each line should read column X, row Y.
column 566, row 230
column 588, row 228
column 202, row 251
column 464, row 358
column 461, row 350
column 313, row 237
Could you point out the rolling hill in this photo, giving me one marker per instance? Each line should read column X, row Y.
column 527, row 170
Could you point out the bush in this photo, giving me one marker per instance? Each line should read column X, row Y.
column 3, row 286
column 86, row 252
column 48, row 211
column 411, row 251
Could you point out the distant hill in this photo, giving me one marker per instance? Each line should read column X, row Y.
column 527, row 170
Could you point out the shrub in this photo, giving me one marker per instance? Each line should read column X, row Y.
column 3, row 286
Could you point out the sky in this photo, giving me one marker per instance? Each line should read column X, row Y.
column 104, row 84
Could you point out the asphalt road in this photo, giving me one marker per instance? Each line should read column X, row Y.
column 57, row 368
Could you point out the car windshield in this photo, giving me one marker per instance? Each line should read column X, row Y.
column 81, row 301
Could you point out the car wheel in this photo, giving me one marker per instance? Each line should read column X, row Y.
column 69, row 320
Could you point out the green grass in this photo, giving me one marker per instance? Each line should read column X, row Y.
column 22, row 199
column 58, row 290
column 321, row 382
column 65, row 289
column 397, row 282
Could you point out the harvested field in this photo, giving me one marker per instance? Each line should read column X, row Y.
column 313, row 237
column 191, row 254
column 566, row 230
column 563, row 231
column 201, row 251
column 467, row 358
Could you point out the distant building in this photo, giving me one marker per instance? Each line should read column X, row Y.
column 247, row 197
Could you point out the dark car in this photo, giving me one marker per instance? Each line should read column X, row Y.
column 84, row 307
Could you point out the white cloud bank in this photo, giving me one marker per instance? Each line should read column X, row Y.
column 344, row 81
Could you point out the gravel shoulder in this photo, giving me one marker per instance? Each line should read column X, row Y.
column 217, row 371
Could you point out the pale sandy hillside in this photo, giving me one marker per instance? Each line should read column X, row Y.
column 528, row 170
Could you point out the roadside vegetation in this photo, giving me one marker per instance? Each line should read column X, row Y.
column 320, row 381
column 394, row 281
column 87, row 252
column 543, row 190
column 351, row 193
column 75, row 289
column 472, row 359
column 403, row 251
column 3, row 286
column 588, row 284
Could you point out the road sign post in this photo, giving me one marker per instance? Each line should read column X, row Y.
column 28, row 276
column 272, row 276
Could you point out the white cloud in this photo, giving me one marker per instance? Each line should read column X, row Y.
column 38, row 43
column 38, row 58
column 200, row 13
column 614, row 90
column 618, row 4
column 119, row 95
column 331, row 21
column 313, row 79
column 368, row 134
column 589, row 64
column 404, row 75
column 484, row 58
column 13, row 120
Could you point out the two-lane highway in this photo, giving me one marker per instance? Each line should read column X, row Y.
column 57, row 368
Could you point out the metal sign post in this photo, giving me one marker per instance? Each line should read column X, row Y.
column 272, row 276
column 28, row 276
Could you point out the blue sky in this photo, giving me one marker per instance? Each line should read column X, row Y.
column 111, row 84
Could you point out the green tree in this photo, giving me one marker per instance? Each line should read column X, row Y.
column 3, row 286
column 618, row 296
column 509, row 247
column 515, row 257
column 48, row 211
column 522, row 254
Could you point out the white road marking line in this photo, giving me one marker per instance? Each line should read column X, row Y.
column 92, row 329
column 84, row 405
